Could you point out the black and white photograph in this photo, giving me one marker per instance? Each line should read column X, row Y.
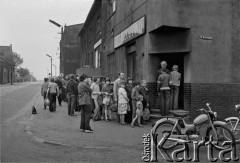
column 119, row 81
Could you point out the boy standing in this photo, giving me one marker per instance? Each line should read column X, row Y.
column 164, row 91
column 175, row 78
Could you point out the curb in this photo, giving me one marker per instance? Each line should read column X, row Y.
column 27, row 129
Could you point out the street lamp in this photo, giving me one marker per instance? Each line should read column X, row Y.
column 55, row 23
column 55, row 69
column 51, row 63
column 58, row 25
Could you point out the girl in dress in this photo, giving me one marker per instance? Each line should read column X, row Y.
column 122, row 102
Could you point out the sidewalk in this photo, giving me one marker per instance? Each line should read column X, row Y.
column 61, row 128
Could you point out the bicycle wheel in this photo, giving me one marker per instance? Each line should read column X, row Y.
column 234, row 126
column 166, row 126
column 220, row 137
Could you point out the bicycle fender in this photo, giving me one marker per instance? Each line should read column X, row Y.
column 231, row 118
column 219, row 123
column 162, row 120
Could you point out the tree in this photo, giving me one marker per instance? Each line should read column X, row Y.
column 13, row 60
column 23, row 72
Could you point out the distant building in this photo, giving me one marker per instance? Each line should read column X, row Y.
column 7, row 72
column 70, row 49
column 201, row 37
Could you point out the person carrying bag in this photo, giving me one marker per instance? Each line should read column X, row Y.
column 84, row 100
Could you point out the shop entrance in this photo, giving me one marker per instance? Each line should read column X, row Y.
column 171, row 59
column 131, row 61
column 131, row 65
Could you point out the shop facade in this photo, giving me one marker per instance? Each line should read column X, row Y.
column 201, row 37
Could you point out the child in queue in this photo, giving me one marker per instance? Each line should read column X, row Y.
column 139, row 111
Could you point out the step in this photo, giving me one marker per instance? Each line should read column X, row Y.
column 155, row 111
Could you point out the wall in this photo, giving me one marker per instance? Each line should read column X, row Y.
column 70, row 49
column 90, row 35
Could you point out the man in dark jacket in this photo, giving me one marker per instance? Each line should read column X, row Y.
column 60, row 87
column 72, row 92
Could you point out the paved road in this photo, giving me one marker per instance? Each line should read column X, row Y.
column 110, row 141
column 16, row 146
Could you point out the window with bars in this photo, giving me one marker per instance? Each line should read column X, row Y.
column 111, row 66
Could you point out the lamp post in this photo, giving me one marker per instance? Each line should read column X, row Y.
column 55, row 69
column 58, row 25
column 51, row 63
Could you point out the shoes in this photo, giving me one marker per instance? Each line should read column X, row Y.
column 132, row 125
column 82, row 130
column 89, row 131
column 110, row 119
column 106, row 120
column 140, row 125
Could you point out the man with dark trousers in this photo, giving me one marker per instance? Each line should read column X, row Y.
column 72, row 92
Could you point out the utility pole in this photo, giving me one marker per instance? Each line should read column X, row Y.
column 51, row 63
column 55, row 69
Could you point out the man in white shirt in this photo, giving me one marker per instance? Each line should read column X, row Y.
column 116, row 86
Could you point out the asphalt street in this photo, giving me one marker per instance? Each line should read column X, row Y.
column 57, row 137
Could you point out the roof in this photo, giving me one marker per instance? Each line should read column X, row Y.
column 5, row 50
column 75, row 27
column 95, row 6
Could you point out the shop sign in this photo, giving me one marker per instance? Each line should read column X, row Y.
column 133, row 31
column 97, row 44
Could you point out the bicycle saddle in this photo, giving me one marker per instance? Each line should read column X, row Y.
column 179, row 113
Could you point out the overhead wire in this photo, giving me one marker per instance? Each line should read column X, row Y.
column 70, row 10
column 80, row 7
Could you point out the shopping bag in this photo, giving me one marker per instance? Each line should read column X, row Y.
column 114, row 107
column 146, row 114
column 47, row 102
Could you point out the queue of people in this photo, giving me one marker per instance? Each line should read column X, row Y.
column 97, row 99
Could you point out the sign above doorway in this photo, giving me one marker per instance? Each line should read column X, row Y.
column 134, row 30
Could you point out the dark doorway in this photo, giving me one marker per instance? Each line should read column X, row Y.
column 131, row 65
column 171, row 59
column 131, row 60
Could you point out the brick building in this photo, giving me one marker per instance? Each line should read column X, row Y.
column 202, row 37
column 70, row 49
column 91, row 59
column 7, row 71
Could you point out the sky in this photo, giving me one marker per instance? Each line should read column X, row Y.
column 25, row 24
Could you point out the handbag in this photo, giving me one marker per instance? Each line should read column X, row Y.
column 114, row 107
column 106, row 100
column 84, row 99
column 146, row 114
column 47, row 101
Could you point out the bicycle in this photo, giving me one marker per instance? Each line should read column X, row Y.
column 233, row 123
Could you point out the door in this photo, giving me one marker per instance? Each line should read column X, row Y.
column 132, row 65
column 171, row 59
